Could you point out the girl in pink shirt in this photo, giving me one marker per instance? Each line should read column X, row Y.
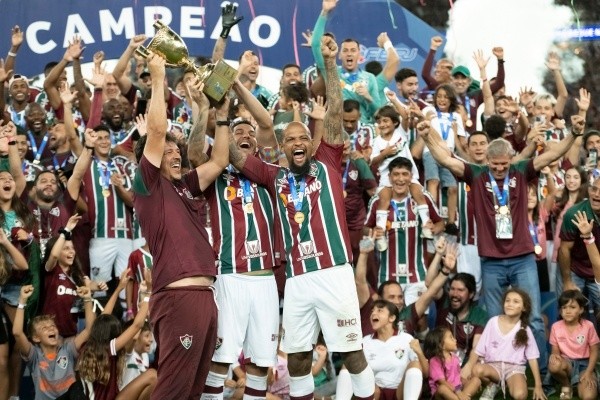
column 444, row 367
column 574, row 348
column 506, row 345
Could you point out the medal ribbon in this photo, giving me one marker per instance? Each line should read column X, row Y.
column 445, row 128
column 37, row 152
column 468, row 106
column 55, row 162
column 18, row 117
column 501, row 197
column 246, row 188
column 533, row 233
column 297, row 195
column 345, row 177
column 104, row 169
column 394, row 204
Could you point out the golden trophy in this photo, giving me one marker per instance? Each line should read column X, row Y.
column 217, row 78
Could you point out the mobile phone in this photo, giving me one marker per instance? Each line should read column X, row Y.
column 592, row 160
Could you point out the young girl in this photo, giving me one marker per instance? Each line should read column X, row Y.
column 506, row 345
column 574, row 348
column 444, row 367
column 102, row 360
column 391, row 355
column 537, row 216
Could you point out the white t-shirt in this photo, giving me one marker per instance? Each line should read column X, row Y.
column 135, row 364
column 399, row 139
column 443, row 124
column 389, row 359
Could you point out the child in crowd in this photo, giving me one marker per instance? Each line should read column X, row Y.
column 137, row 349
column 139, row 260
column 444, row 367
column 50, row 359
column 506, row 345
column 574, row 348
column 103, row 358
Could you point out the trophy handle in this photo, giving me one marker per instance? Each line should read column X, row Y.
column 142, row 52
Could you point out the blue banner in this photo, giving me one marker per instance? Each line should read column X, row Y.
column 273, row 29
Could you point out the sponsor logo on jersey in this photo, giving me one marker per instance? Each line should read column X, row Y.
column 341, row 323
column 186, row 341
column 351, row 337
column 307, row 250
column 253, row 249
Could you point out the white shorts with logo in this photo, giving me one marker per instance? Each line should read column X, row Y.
column 412, row 292
column 248, row 319
column 322, row 300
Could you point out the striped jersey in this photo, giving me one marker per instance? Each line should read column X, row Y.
column 466, row 218
column 109, row 216
column 403, row 261
column 138, row 260
column 243, row 240
column 321, row 240
column 363, row 137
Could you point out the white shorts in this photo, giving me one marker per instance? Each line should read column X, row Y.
column 106, row 254
column 469, row 262
column 412, row 292
column 248, row 319
column 322, row 300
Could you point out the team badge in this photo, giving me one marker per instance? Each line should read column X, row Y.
column 313, row 170
column 580, row 339
column 186, row 341
column 55, row 212
column 62, row 362
column 400, row 353
column 307, row 247
column 468, row 328
column 218, row 343
column 353, row 175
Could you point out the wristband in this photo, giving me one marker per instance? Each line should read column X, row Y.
column 67, row 233
column 21, row 306
column 445, row 273
column 11, row 54
column 388, row 45
column 87, row 300
column 225, row 33
column 146, row 299
column 484, row 80
column 88, row 147
column 223, row 123
column 129, row 311
column 589, row 240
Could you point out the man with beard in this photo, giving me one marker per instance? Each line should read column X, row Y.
column 246, row 287
column 357, row 84
column 183, row 260
column 310, row 209
column 18, row 92
column 361, row 134
column 457, row 310
column 290, row 74
column 407, row 84
column 37, row 134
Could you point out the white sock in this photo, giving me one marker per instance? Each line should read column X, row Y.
column 423, row 211
column 213, row 389
column 413, row 383
column 381, row 219
column 343, row 389
column 363, row 384
column 301, row 386
column 256, row 387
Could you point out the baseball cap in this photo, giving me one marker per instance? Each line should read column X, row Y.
column 461, row 69
column 16, row 78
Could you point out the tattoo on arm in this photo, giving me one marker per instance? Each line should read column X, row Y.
column 219, row 49
column 333, row 116
column 197, row 138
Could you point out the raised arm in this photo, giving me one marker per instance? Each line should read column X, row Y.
column 123, row 81
column 82, row 164
column 85, row 294
column 67, row 98
column 488, row 99
column 219, row 157
column 74, row 51
column 85, row 103
column 360, row 274
column 439, row 152
column 22, row 343
column 333, row 117
column 430, row 80
column 138, row 321
column 318, row 31
column 156, row 122
column 9, row 133
column 60, row 242
column 197, row 138
column 265, row 134
column 562, row 95
column 585, row 229
column 19, row 261
column 16, row 40
column 559, row 149
column 228, row 21
column 392, row 61
column 448, row 267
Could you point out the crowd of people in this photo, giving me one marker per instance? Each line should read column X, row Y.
column 334, row 239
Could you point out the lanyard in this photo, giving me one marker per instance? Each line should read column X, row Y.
column 397, row 209
column 350, row 77
column 533, row 233
column 345, row 177
column 58, row 166
column 104, row 169
column 502, row 198
column 244, row 184
column 468, row 106
column 18, row 117
column 445, row 127
column 37, row 152
column 297, row 195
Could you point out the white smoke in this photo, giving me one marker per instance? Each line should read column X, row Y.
column 526, row 29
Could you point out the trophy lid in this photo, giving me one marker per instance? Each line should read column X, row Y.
column 169, row 45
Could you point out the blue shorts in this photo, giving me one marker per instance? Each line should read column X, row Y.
column 10, row 294
column 578, row 367
column 434, row 171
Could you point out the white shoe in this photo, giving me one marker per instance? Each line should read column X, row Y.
column 489, row 392
column 381, row 244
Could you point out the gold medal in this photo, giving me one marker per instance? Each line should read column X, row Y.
column 105, row 192
column 345, row 194
column 299, row 217
column 469, row 123
column 537, row 249
column 503, row 210
column 249, row 208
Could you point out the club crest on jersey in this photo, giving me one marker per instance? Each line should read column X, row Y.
column 219, row 343
column 399, row 353
column 468, row 328
column 186, row 341
column 313, row 169
column 55, row 212
column 62, row 362
column 307, row 247
column 353, row 175
column 580, row 339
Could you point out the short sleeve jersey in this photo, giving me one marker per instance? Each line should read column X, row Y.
column 168, row 215
column 60, row 293
column 400, row 140
column 580, row 261
column 52, row 374
column 495, row 346
column 356, row 179
column 389, row 359
column 321, row 240
column 478, row 178
column 464, row 330
column 576, row 344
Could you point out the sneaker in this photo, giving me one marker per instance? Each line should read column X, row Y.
column 426, row 233
column 489, row 392
column 381, row 244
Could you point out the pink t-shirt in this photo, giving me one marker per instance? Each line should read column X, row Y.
column 576, row 344
column 494, row 346
column 450, row 372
